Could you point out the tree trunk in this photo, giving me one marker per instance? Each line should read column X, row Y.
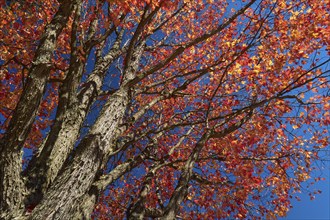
column 12, row 189
column 73, row 184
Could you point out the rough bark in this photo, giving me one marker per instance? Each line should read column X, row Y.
column 12, row 188
column 42, row 174
column 64, row 180
column 76, row 180
column 90, row 156
column 72, row 110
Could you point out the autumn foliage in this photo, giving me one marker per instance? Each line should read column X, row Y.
column 205, row 109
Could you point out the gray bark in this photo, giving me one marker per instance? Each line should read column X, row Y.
column 12, row 187
column 70, row 116
column 78, row 177
column 90, row 156
column 62, row 181
column 181, row 189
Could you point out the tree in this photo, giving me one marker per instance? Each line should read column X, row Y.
column 160, row 109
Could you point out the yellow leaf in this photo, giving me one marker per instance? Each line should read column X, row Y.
column 270, row 62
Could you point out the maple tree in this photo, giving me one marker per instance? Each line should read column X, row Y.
column 116, row 109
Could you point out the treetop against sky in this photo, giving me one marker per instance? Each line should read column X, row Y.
column 204, row 109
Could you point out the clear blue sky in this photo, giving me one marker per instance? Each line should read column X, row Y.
column 319, row 208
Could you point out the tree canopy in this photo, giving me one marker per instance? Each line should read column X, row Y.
column 181, row 109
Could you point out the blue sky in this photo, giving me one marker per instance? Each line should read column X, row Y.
column 306, row 209
column 319, row 208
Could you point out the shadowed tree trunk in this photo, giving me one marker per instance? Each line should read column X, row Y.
column 159, row 109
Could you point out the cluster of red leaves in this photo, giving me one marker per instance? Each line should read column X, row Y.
column 254, row 169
